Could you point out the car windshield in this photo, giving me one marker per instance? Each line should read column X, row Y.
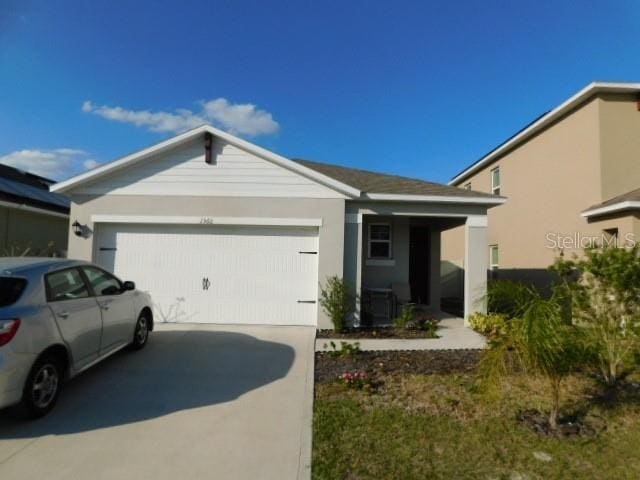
column 10, row 290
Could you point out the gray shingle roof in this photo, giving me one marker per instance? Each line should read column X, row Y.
column 373, row 182
column 632, row 196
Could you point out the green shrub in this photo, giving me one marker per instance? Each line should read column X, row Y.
column 604, row 289
column 489, row 324
column 346, row 349
column 410, row 320
column 337, row 301
column 405, row 318
column 429, row 326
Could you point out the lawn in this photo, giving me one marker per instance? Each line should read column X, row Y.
column 426, row 426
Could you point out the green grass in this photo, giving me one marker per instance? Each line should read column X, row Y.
column 423, row 427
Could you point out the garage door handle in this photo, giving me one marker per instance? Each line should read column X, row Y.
column 306, row 301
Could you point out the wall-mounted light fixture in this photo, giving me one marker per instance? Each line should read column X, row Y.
column 77, row 228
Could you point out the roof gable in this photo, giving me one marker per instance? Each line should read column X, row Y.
column 127, row 163
column 183, row 171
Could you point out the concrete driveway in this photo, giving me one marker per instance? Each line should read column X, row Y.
column 201, row 401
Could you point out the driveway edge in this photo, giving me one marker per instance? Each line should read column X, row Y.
column 306, row 432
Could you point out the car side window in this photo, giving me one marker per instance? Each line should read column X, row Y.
column 65, row 285
column 103, row 283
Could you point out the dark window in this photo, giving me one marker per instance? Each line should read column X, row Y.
column 66, row 285
column 379, row 240
column 10, row 290
column 102, row 283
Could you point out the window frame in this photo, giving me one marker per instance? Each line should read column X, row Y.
column 495, row 189
column 389, row 241
column 88, row 281
column 47, row 287
column 494, row 266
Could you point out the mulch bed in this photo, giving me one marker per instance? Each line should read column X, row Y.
column 372, row 332
column 396, row 362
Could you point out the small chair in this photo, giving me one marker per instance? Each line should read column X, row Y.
column 401, row 295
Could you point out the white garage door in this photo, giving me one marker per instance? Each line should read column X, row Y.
column 217, row 274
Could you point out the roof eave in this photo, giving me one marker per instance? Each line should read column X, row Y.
column 610, row 209
column 588, row 91
column 452, row 199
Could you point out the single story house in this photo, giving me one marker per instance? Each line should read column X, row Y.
column 220, row 230
column 33, row 220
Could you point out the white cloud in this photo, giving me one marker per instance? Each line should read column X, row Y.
column 90, row 163
column 55, row 163
column 238, row 119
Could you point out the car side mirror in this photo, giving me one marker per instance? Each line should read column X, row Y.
column 128, row 285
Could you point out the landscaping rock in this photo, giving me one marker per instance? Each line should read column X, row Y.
column 542, row 456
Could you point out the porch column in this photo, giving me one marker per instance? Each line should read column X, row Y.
column 434, row 270
column 476, row 263
column 353, row 258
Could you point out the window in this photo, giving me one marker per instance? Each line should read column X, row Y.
column 65, row 285
column 494, row 257
column 467, row 186
column 610, row 237
column 495, row 181
column 10, row 290
column 102, row 283
column 379, row 240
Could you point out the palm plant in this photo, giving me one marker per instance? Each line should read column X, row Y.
column 537, row 341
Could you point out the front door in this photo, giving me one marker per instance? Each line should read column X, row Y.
column 76, row 313
column 419, row 245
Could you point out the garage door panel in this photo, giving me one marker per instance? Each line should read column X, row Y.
column 218, row 274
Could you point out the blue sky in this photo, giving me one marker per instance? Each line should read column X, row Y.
column 415, row 88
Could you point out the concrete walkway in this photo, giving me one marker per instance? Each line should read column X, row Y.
column 201, row 401
column 453, row 336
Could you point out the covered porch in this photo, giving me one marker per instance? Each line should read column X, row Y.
column 392, row 257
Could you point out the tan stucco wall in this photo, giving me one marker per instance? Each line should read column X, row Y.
column 331, row 233
column 20, row 230
column 619, row 144
column 548, row 181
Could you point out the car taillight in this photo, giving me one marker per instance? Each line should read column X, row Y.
column 8, row 329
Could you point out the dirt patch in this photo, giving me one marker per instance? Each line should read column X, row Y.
column 568, row 426
column 424, row 362
column 373, row 332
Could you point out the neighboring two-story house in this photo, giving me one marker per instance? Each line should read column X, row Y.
column 572, row 177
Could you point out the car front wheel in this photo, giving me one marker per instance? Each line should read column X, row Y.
column 141, row 334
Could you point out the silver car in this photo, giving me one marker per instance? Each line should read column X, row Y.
column 57, row 318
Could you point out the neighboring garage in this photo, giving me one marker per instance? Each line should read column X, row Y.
column 218, row 273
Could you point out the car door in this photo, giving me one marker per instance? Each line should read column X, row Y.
column 76, row 313
column 116, row 305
